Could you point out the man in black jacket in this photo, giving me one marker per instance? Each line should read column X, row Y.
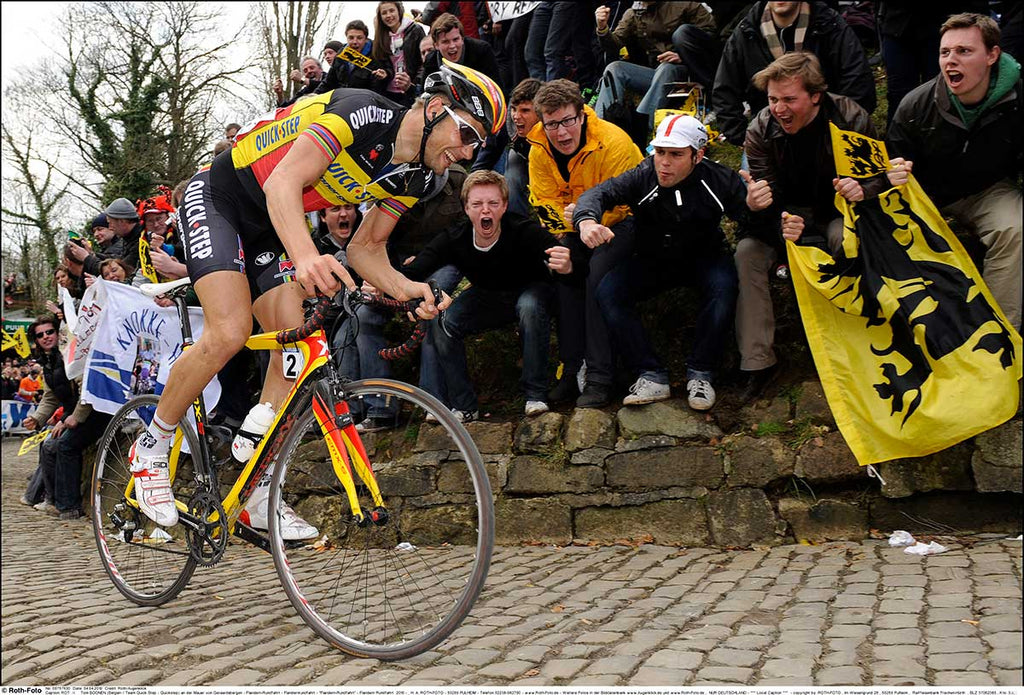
column 123, row 219
column 678, row 199
column 771, row 29
column 451, row 43
column 962, row 133
column 509, row 260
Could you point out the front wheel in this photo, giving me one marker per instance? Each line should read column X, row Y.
column 147, row 563
column 395, row 587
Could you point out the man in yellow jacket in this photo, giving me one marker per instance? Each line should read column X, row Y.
column 573, row 151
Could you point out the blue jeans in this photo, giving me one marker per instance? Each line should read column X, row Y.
column 478, row 310
column 540, row 22
column 61, row 461
column 644, row 276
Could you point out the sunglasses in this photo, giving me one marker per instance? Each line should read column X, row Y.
column 43, row 334
column 466, row 131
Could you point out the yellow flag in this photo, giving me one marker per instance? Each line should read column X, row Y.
column 913, row 352
column 146, row 260
column 21, row 344
column 8, row 340
column 30, row 443
column 355, row 57
column 552, row 216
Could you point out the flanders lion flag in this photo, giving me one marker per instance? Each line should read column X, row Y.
column 17, row 340
column 913, row 352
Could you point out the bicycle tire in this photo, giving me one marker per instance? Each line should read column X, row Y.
column 392, row 591
column 148, row 567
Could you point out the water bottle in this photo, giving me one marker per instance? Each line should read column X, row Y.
column 256, row 424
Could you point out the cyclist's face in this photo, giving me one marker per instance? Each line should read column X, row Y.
column 450, row 45
column 355, row 39
column 485, row 207
column 448, row 145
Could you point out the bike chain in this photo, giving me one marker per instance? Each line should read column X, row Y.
column 207, row 548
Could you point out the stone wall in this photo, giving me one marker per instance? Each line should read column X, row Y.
column 667, row 474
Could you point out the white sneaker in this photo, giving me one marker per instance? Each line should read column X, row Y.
column 46, row 506
column 430, row 419
column 153, row 486
column 293, row 527
column 700, row 394
column 466, row 415
column 536, row 408
column 646, row 391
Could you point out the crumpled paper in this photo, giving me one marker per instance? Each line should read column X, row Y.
column 919, row 548
column 900, row 539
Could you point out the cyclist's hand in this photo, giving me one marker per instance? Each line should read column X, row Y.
column 324, row 273
column 428, row 308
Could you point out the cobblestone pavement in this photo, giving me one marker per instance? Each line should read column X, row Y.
column 836, row 614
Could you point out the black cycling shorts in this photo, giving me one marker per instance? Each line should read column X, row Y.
column 224, row 229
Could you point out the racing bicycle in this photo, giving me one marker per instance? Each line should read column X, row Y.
column 404, row 514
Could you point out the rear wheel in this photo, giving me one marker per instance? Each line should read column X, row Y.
column 397, row 587
column 147, row 563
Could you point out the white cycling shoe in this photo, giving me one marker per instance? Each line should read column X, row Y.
column 293, row 527
column 153, row 486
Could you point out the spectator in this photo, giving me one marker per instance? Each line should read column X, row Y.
column 910, row 41
column 666, row 42
column 28, row 384
column 331, row 49
column 465, row 11
column 345, row 74
column 451, row 44
column 397, row 42
column 107, row 245
column 231, row 130
column 78, row 280
column 514, row 33
column 557, row 30
column 678, row 199
column 310, row 76
column 115, row 270
column 426, row 48
column 523, row 117
column 60, row 456
column 11, row 384
column 961, row 132
column 426, row 220
column 337, row 224
column 123, row 219
column 166, row 251
column 221, row 146
column 791, row 187
column 508, row 260
column 572, row 150
column 771, row 29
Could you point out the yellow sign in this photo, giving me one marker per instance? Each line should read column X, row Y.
column 354, row 57
column 30, row 443
column 146, row 260
column 17, row 340
column 551, row 216
column 913, row 352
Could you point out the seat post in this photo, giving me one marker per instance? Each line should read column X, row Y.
column 186, row 325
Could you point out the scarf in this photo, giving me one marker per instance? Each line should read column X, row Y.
column 771, row 33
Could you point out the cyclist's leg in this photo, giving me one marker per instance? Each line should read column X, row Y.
column 276, row 309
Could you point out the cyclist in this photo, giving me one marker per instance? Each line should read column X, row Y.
column 246, row 235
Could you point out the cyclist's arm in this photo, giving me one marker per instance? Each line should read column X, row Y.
column 302, row 167
column 368, row 256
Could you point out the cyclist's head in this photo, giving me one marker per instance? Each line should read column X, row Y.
column 471, row 91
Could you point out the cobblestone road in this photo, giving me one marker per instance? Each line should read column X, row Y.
column 836, row 614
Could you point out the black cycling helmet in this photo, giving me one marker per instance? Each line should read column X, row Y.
column 471, row 91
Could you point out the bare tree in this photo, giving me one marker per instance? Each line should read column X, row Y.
column 32, row 201
column 282, row 32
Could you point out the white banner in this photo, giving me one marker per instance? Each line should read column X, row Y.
column 14, row 413
column 88, row 320
column 504, row 11
column 68, row 307
column 133, row 347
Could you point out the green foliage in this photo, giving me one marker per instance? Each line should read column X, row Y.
column 769, row 429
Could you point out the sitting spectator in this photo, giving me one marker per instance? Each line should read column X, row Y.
column 678, row 199
column 123, row 219
column 771, row 29
column 345, row 74
column 572, row 150
column 666, row 42
column 60, row 456
column 961, row 132
column 397, row 43
column 451, row 44
column 310, row 76
column 116, row 270
column 791, row 187
column 508, row 260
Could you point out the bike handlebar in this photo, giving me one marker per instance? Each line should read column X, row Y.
column 321, row 309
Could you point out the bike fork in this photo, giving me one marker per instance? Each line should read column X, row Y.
column 347, row 451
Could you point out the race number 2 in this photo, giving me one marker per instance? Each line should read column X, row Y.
column 291, row 363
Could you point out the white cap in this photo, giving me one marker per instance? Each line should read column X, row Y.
column 681, row 131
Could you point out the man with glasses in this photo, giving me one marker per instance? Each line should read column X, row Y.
column 60, row 457
column 247, row 244
column 572, row 150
